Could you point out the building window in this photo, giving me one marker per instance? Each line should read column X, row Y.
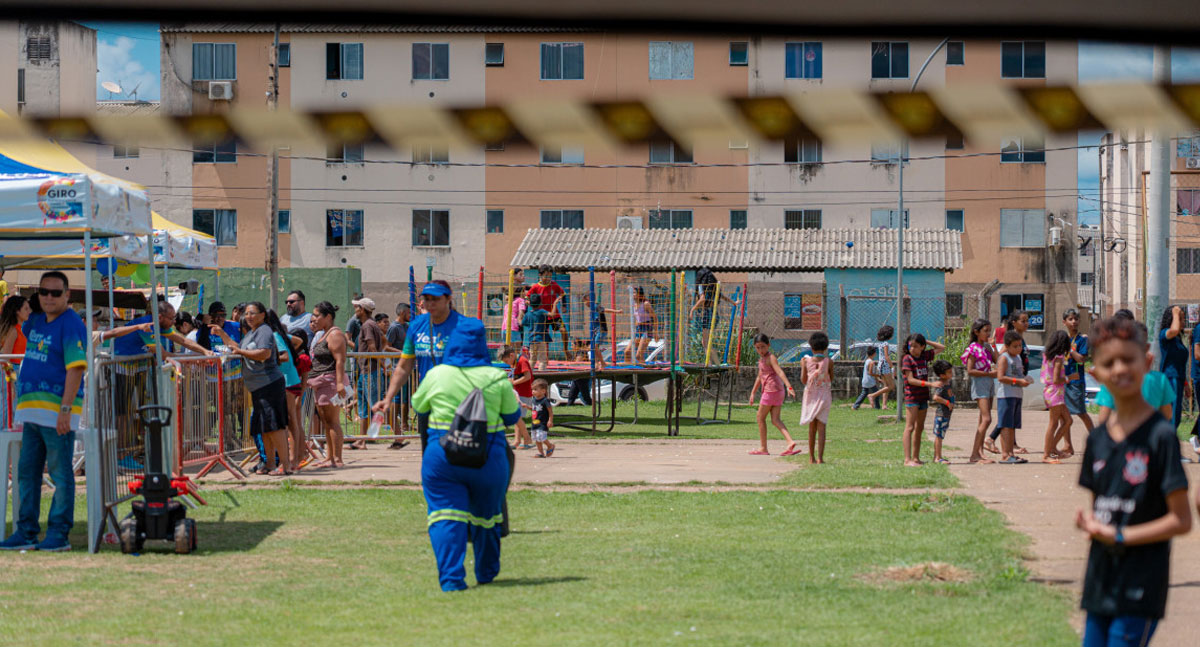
column 1187, row 202
column 886, row 218
column 668, row 152
column 285, row 55
column 954, row 219
column 223, row 153
column 954, row 141
column 431, row 228
column 125, row 152
column 1187, row 260
column 739, row 53
column 38, row 48
column 1023, row 59
column 955, row 53
column 21, row 87
column 431, row 61
column 493, row 54
column 430, row 154
column 889, row 60
column 737, row 218
column 802, row 219
column 1023, row 150
column 670, row 60
column 802, row 61
column 1088, row 248
column 562, row 219
column 495, row 221
column 954, row 304
column 345, row 154
column 214, row 62
column 493, row 147
column 1030, row 303
column 284, row 221
column 1022, row 228
column 343, row 228
column 888, row 153
column 562, row 61
column 1087, row 278
column 218, row 223
column 344, row 61
column 670, row 219
column 562, row 155
column 802, row 151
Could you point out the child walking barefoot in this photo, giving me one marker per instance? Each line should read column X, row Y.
column 1054, row 379
column 980, row 360
column 816, row 373
column 773, row 383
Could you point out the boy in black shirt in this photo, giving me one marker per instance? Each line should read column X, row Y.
column 944, row 397
column 1139, row 494
column 543, row 418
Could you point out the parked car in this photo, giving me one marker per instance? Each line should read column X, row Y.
column 625, row 392
column 1032, row 394
column 796, row 353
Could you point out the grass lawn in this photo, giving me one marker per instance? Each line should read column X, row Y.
column 859, row 451
column 354, row 567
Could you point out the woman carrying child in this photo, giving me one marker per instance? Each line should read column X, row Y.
column 774, row 385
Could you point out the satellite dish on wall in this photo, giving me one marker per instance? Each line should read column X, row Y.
column 111, row 87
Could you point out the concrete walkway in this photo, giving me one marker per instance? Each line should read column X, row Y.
column 1040, row 501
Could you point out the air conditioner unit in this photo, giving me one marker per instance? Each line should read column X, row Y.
column 629, row 222
column 220, row 90
column 1193, row 162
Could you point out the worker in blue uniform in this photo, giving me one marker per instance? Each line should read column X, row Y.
column 465, row 503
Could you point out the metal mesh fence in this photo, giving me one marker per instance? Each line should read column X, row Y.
column 123, row 385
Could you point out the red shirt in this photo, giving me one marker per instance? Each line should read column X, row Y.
column 524, row 389
column 548, row 293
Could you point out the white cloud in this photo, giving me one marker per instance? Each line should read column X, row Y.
column 116, row 62
column 1111, row 61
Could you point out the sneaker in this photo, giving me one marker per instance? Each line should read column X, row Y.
column 1195, row 440
column 54, row 545
column 16, row 541
column 398, row 444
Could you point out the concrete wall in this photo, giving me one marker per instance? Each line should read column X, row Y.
column 388, row 193
column 10, row 50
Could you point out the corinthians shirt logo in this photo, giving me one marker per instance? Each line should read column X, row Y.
column 1137, row 467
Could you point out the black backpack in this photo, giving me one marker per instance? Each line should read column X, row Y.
column 466, row 442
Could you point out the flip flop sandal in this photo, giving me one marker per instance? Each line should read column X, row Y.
column 792, row 452
column 550, row 452
column 1013, row 460
column 758, row 452
column 1020, row 450
column 943, row 461
column 1052, row 461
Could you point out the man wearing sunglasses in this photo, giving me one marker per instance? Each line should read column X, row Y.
column 49, row 406
column 297, row 317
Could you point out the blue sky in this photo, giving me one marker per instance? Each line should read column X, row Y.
column 128, row 54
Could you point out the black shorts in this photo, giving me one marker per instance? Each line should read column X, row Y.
column 270, row 408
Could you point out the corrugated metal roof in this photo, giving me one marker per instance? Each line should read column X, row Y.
column 731, row 250
column 368, row 28
column 125, row 108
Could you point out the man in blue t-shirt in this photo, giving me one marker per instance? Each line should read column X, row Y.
column 48, row 412
column 140, row 343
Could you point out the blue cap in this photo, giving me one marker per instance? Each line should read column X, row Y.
column 435, row 290
column 467, row 345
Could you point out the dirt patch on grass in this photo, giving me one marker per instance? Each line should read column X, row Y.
column 935, row 572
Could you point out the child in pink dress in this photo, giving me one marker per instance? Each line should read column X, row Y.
column 816, row 373
column 773, row 382
column 1054, row 390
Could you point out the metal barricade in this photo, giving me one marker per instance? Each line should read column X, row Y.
column 201, row 423
column 122, row 386
column 369, row 375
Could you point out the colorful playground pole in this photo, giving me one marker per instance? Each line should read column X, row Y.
column 737, row 302
column 592, row 336
column 741, row 323
column 508, row 324
column 712, row 327
column 612, row 299
column 479, row 303
column 412, row 292
column 671, row 321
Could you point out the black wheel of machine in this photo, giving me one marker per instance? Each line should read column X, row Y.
column 130, row 542
column 191, row 523
column 183, row 537
column 627, row 394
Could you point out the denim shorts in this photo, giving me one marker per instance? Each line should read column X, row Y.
column 1076, row 392
column 919, row 406
column 983, row 387
column 1009, row 410
column 940, row 427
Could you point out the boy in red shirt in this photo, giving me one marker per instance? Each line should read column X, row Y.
column 522, row 381
column 550, row 292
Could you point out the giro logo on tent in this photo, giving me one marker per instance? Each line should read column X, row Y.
column 60, row 200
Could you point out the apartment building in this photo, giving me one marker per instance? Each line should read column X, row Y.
column 1124, row 181
column 1088, row 241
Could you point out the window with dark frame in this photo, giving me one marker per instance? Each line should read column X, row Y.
column 1022, row 227
column 802, row 151
column 889, row 60
column 214, row 62
column 493, row 54
column 1187, row 202
column 670, row 219
column 284, row 221
column 345, row 153
column 221, row 224
column 737, row 218
column 21, row 87
column 954, row 220
column 562, row 155
column 955, row 53
column 802, row 60
column 802, row 219
column 1187, row 260
column 431, row 61
column 343, row 228
column 668, row 152
column 428, row 154
column 222, row 153
column 954, row 304
column 671, row 60
column 285, row 55
column 886, row 218
column 1032, row 303
column 739, row 53
column 495, row 221
column 344, row 61
column 561, row 219
column 1023, row 59
column 430, row 228
column 1087, row 278
column 562, row 61
column 1022, row 150
column 955, row 142
column 38, row 48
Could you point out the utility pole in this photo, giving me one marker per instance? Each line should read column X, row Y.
column 1158, row 225
column 900, row 224
column 273, row 177
column 1101, row 154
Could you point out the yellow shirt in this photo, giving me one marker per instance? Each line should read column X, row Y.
column 3, row 290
